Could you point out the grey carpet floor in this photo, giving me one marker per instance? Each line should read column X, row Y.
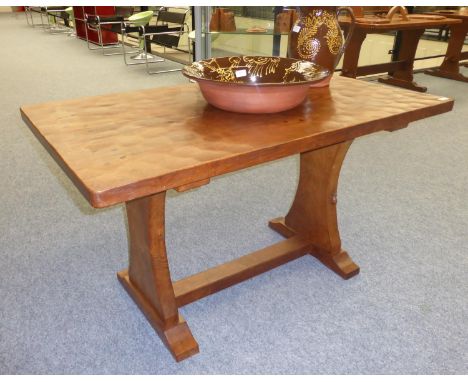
column 403, row 216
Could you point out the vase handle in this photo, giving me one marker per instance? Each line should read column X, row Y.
column 350, row 31
column 403, row 12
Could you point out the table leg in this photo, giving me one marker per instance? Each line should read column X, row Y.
column 351, row 56
column 450, row 66
column 404, row 77
column 148, row 280
column 313, row 211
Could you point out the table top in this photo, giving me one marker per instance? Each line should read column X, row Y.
column 120, row 147
column 454, row 15
column 398, row 24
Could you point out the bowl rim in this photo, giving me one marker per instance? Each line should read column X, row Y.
column 324, row 73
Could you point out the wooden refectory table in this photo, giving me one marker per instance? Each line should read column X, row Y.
column 401, row 70
column 450, row 67
column 170, row 138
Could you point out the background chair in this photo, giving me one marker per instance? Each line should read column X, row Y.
column 113, row 24
column 137, row 24
column 52, row 15
column 29, row 12
column 71, row 19
column 169, row 28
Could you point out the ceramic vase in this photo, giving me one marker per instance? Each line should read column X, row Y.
column 316, row 36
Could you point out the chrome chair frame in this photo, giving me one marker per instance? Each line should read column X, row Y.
column 29, row 11
column 71, row 18
column 97, row 25
column 180, row 33
column 144, row 34
column 145, row 50
column 52, row 12
column 98, row 28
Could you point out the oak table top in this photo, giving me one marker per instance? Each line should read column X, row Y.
column 399, row 24
column 123, row 146
column 453, row 14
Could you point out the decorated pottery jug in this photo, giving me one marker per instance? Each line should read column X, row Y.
column 316, row 36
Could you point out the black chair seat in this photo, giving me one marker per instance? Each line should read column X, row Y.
column 100, row 21
column 166, row 18
column 167, row 40
column 104, row 19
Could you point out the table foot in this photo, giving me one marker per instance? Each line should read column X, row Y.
column 339, row 262
column 411, row 85
column 449, row 75
column 177, row 338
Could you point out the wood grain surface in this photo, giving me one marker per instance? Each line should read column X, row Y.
column 397, row 23
column 455, row 15
column 120, row 147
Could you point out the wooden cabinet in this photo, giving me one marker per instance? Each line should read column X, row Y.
column 80, row 12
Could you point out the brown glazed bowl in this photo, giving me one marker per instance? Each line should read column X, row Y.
column 255, row 84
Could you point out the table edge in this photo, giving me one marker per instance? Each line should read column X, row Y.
column 149, row 186
column 380, row 27
column 88, row 195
